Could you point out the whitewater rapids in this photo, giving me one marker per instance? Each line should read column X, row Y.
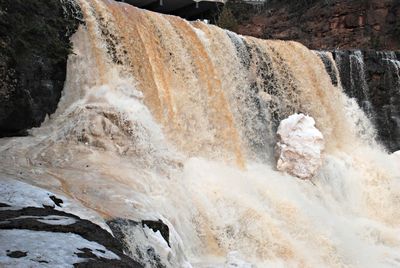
column 165, row 119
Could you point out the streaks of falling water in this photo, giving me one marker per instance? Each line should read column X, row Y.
column 345, row 74
column 166, row 119
column 330, row 66
column 373, row 81
column 215, row 93
column 183, row 76
column 391, row 110
column 358, row 82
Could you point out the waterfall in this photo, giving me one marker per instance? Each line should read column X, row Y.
column 357, row 87
column 215, row 94
column 391, row 111
column 372, row 79
column 167, row 119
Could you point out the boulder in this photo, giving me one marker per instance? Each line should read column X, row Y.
column 299, row 146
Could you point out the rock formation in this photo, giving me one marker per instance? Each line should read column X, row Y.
column 34, row 46
column 299, row 147
column 39, row 228
column 326, row 24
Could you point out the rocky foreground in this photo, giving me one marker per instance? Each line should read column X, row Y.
column 41, row 229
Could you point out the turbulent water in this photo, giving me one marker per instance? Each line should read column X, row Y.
column 165, row 119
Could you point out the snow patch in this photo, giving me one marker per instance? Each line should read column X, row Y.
column 50, row 219
column 57, row 220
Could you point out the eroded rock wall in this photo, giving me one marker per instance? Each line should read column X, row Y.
column 34, row 47
column 328, row 24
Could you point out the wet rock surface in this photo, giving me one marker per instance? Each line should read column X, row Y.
column 158, row 226
column 34, row 46
column 128, row 231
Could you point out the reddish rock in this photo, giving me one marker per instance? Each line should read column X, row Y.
column 341, row 24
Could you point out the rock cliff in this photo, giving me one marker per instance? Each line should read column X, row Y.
column 34, row 46
column 332, row 24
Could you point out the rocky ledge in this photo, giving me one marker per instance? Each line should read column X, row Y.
column 38, row 228
column 38, row 236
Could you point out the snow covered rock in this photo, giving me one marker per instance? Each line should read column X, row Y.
column 31, row 248
column 299, row 146
column 40, row 229
column 19, row 194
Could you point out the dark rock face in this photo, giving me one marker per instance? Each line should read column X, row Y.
column 373, row 79
column 57, row 201
column 325, row 24
column 34, row 46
